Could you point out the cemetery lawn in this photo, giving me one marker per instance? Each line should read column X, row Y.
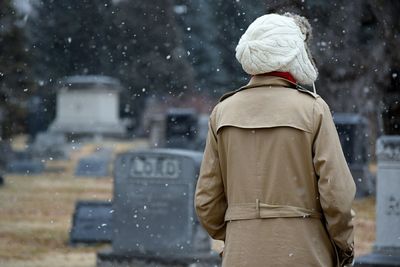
column 36, row 213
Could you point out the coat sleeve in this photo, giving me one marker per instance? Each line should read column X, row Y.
column 335, row 183
column 210, row 200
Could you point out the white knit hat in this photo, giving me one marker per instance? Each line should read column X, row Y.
column 277, row 43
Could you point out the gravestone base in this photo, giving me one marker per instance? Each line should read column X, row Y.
column 377, row 259
column 107, row 258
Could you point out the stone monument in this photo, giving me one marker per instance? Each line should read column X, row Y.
column 50, row 145
column 96, row 164
column 22, row 162
column 91, row 222
column 88, row 105
column 352, row 130
column 154, row 221
column 387, row 245
column 181, row 128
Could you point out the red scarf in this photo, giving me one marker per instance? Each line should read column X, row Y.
column 285, row 75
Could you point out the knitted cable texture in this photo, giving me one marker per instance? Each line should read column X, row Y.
column 277, row 43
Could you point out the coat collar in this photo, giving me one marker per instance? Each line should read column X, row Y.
column 267, row 80
column 260, row 81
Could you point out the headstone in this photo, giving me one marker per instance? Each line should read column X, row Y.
column 181, row 128
column 6, row 154
column 92, row 222
column 23, row 163
column 353, row 135
column 387, row 245
column 88, row 105
column 50, row 145
column 93, row 166
column 40, row 112
column 154, row 219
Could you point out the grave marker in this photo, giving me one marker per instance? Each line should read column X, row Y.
column 154, row 217
column 95, row 165
column 352, row 130
column 91, row 222
column 50, row 145
column 88, row 105
column 23, row 163
column 387, row 245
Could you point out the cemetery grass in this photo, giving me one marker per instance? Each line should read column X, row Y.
column 36, row 214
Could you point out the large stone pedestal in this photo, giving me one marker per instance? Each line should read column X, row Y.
column 387, row 245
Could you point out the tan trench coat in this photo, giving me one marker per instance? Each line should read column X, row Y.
column 274, row 184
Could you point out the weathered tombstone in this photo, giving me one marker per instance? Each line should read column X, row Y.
column 6, row 153
column 88, row 105
column 93, row 166
column 154, row 221
column 387, row 245
column 23, row 163
column 92, row 222
column 352, row 130
column 50, row 145
column 39, row 112
column 181, row 128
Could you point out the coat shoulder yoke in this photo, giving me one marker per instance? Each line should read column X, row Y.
column 298, row 88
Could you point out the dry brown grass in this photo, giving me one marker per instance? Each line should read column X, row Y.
column 36, row 212
column 364, row 225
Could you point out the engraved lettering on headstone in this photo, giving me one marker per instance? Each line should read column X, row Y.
column 393, row 206
column 148, row 168
column 154, row 167
column 171, row 168
column 159, row 168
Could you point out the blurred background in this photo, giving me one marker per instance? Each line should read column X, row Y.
column 83, row 80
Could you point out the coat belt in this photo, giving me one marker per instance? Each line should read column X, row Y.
column 258, row 210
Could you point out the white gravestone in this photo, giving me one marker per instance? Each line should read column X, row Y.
column 387, row 245
column 88, row 105
column 388, row 198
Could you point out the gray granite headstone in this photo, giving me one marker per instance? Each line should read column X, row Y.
column 22, row 162
column 91, row 222
column 387, row 245
column 6, row 154
column 353, row 135
column 95, row 165
column 50, row 145
column 181, row 128
column 154, row 217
